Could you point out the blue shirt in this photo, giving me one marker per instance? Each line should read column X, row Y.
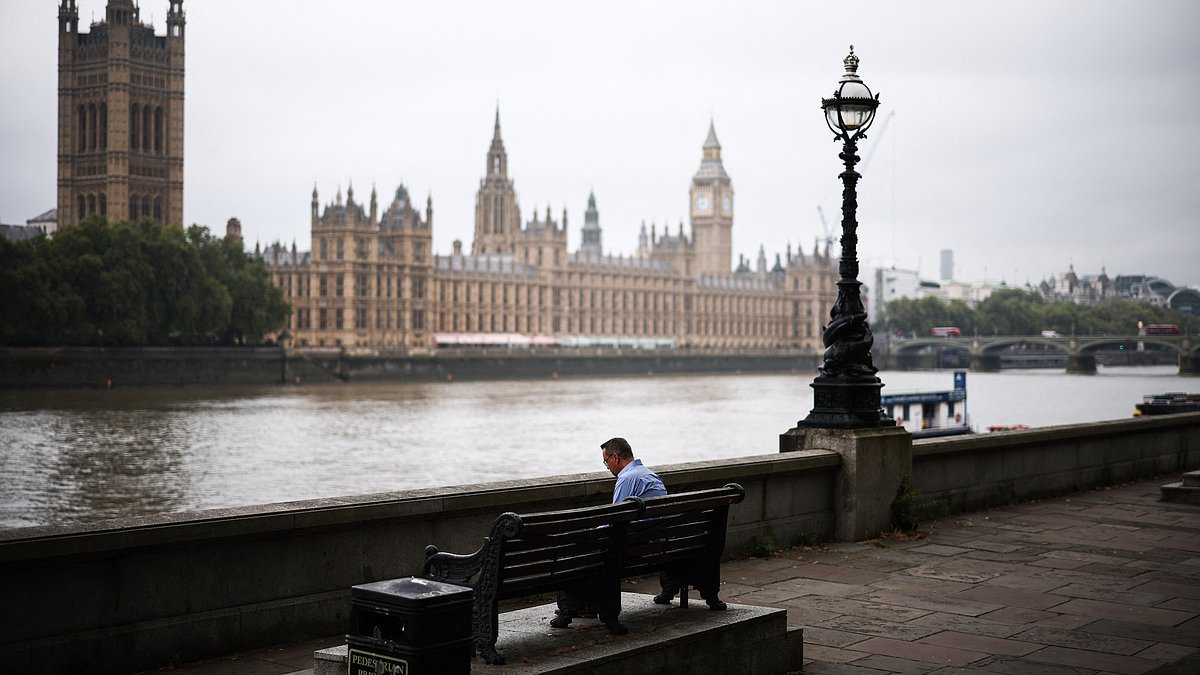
column 635, row 480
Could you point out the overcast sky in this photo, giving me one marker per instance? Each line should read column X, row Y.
column 1025, row 135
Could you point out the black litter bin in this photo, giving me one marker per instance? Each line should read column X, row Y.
column 409, row 626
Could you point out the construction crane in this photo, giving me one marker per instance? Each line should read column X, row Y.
column 862, row 168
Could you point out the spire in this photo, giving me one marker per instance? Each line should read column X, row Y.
column 711, row 141
column 497, row 158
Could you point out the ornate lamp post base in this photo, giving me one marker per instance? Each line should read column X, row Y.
column 846, row 403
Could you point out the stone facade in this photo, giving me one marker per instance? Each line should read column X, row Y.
column 120, row 115
column 373, row 283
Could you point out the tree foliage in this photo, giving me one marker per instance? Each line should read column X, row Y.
column 1017, row 312
column 134, row 284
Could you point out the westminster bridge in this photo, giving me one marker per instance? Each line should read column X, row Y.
column 1080, row 350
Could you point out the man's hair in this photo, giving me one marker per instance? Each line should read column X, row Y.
column 617, row 446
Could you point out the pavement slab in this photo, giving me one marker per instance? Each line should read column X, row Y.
column 1130, row 665
column 919, row 651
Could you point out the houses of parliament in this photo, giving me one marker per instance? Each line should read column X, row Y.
column 372, row 280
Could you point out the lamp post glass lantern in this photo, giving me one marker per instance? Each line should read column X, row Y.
column 846, row 390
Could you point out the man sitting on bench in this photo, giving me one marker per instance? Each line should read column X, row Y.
column 634, row 479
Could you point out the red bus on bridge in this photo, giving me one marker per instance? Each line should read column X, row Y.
column 1162, row 329
column 945, row 331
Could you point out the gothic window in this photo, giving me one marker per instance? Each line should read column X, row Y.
column 496, row 164
column 339, row 287
column 133, row 207
column 418, row 319
column 135, row 120
column 322, row 315
column 103, row 126
column 158, row 130
column 82, row 208
column 91, row 204
column 82, row 128
column 146, row 206
column 158, row 209
column 92, row 125
column 323, row 290
column 324, row 250
column 338, row 318
column 103, row 205
column 146, row 129
column 341, row 248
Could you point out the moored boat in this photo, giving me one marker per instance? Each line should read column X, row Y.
column 931, row 413
column 1168, row 403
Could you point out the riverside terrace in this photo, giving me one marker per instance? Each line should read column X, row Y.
column 1105, row 581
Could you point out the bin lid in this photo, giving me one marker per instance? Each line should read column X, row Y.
column 411, row 592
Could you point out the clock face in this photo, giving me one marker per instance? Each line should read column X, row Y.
column 726, row 203
column 702, row 203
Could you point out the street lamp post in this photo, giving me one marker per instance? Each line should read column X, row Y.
column 846, row 392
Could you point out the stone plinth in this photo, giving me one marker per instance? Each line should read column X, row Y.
column 874, row 462
column 742, row 640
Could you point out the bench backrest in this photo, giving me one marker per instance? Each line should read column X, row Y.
column 679, row 527
column 546, row 551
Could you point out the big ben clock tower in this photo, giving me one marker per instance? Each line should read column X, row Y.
column 712, row 211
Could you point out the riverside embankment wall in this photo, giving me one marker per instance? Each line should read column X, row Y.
column 182, row 366
column 133, row 594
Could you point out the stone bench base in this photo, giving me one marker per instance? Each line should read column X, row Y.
column 743, row 640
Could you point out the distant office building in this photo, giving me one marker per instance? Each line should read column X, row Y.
column 947, row 264
column 120, row 115
column 372, row 281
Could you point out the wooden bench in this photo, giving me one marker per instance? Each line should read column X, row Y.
column 590, row 548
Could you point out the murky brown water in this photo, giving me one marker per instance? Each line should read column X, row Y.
column 71, row 456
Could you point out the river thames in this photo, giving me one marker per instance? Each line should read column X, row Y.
column 83, row 455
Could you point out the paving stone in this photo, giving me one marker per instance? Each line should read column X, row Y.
column 917, row 586
column 765, row 597
column 1077, row 639
column 1012, row 597
column 1060, row 563
column 831, row 638
column 1018, row 615
column 994, row 546
column 1106, row 593
column 1085, row 557
column 951, row 574
column 916, row 651
column 817, row 587
column 933, row 604
column 981, row 643
column 862, row 608
column 840, row 574
column 878, row 627
column 806, row 616
column 822, row 668
column 1026, row 583
column 970, row 624
column 1120, row 612
column 1086, row 659
column 1123, row 570
column 891, row 664
column 829, row 654
column 1165, row 652
column 1169, row 589
column 1140, row 631
column 939, row 550
column 1189, row 605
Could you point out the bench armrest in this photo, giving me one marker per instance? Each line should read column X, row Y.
column 454, row 568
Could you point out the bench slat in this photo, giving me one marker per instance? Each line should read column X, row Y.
column 590, row 559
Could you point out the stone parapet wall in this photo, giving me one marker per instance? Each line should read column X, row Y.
column 132, row 594
column 966, row 473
